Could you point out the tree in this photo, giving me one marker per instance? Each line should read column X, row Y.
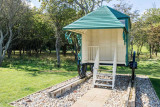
column 126, row 8
column 60, row 14
column 10, row 13
column 154, row 38
column 89, row 5
column 85, row 5
column 140, row 35
column 151, row 19
column 151, row 16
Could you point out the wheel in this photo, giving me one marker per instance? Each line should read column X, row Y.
column 83, row 69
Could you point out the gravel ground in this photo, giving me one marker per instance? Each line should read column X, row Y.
column 41, row 98
column 118, row 95
column 145, row 96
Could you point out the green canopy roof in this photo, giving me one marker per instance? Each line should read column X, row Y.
column 102, row 18
column 118, row 14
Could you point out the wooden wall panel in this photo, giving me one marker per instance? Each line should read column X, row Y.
column 107, row 40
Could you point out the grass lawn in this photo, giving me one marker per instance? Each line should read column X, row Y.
column 21, row 76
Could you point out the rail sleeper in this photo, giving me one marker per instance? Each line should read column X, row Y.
column 59, row 91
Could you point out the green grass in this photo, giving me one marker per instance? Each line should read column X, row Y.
column 144, row 49
column 22, row 76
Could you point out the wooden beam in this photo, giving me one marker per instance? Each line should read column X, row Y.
column 59, row 91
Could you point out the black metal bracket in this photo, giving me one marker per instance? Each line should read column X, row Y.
column 133, row 66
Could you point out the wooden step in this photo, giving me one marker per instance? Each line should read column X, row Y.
column 103, row 80
column 102, row 74
column 105, row 65
column 105, row 85
column 104, row 70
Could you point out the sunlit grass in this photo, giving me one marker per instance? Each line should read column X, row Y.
column 22, row 76
column 144, row 49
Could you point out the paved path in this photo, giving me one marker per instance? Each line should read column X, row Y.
column 95, row 97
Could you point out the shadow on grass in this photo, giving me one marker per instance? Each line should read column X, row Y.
column 59, row 74
column 43, row 63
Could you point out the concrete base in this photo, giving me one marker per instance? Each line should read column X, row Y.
column 95, row 97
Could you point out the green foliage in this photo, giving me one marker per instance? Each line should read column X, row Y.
column 139, row 34
column 154, row 37
column 35, row 32
column 151, row 16
column 145, row 31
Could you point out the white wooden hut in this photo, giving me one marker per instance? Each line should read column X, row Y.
column 104, row 34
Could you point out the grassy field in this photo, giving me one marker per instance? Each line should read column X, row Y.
column 20, row 76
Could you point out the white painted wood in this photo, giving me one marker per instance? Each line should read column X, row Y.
column 107, row 40
column 121, row 47
column 103, row 74
column 104, row 85
column 114, row 68
column 105, row 62
column 103, row 80
column 96, row 67
column 92, row 50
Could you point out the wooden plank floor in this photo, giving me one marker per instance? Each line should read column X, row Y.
column 95, row 97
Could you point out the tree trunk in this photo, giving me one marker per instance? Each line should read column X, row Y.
column 150, row 50
column 9, row 51
column 76, row 53
column 14, row 52
column 1, row 59
column 64, row 49
column 20, row 52
column 58, row 52
column 57, row 47
column 50, row 51
column 30, row 52
column 156, row 53
column 23, row 50
column 37, row 52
